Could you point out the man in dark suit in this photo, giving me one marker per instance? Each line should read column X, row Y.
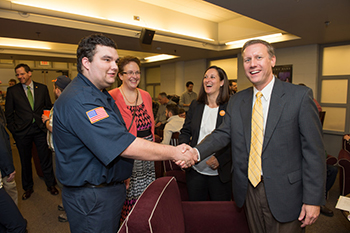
column 24, row 106
column 289, row 185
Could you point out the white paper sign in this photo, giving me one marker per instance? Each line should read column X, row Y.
column 343, row 203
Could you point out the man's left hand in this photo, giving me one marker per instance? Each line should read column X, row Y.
column 309, row 214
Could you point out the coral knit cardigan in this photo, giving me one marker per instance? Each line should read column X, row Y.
column 126, row 113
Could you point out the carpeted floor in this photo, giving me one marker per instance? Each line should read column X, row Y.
column 41, row 211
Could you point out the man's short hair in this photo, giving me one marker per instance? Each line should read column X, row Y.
column 12, row 81
column 173, row 108
column 270, row 49
column 87, row 47
column 25, row 66
column 163, row 94
column 189, row 83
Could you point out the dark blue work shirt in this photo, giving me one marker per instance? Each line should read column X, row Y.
column 89, row 135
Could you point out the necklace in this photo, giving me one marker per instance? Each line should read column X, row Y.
column 137, row 94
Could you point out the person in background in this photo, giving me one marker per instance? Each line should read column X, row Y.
column 12, row 82
column 161, row 117
column 212, row 176
column 278, row 160
column 233, row 87
column 24, row 106
column 135, row 105
column 11, row 220
column 182, row 113
column 94, row 150
column 187, row 96
column 174, row 122
column 8, row 173
column 58, row 86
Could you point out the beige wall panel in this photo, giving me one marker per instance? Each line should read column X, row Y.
column 229, row 65
column 336, row 60
column 153, row 75
column 334, row 119
column 334, row 91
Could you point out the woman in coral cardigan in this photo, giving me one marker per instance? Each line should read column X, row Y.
column 135, row 106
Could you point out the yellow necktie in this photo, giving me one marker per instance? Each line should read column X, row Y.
column 254, row 164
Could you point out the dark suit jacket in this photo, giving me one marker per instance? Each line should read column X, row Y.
column 293, row 160
column 19, row 114
column 6, row 162
column 192, row 127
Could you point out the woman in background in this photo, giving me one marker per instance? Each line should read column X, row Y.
column 211, row 178
column 135, row 106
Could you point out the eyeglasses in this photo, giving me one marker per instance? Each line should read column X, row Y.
column 129, row 73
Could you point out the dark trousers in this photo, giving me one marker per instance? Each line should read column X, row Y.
column 92, row 210
column 200, row 187
column 259, row 216
column 11, row 220
column 24, row 146
column 332, row 172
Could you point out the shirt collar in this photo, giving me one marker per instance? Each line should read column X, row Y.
column 31, row 85
column 172, row 117
column 267, row 90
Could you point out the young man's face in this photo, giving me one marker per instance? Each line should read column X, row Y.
column 23, row 76
column 103, row 68
column 190, row 88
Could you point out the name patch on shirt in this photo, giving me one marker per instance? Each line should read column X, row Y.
column 97, row 114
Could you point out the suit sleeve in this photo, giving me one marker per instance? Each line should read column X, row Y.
column 48, row 104
column 6, row 162
column 10, row 111
column 314, row 165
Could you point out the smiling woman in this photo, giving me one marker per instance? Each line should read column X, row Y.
column 135, row 106
column 212, row 176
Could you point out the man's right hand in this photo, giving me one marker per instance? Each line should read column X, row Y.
column 188, row 156
column 11, row 177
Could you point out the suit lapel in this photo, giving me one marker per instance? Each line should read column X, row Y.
column 277, row 103
column 246, row 113
column 23, row 95
column 198, row 118
column 220, row 118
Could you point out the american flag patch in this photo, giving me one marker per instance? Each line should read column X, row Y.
column 97, row 114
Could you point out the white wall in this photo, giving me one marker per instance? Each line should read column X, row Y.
column 174, row 76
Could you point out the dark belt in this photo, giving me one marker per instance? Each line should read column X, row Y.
column 97, row 186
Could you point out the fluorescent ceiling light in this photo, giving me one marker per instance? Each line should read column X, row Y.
column 30, row 44
column 240, row 43
column 160, row 57
column 117, row 21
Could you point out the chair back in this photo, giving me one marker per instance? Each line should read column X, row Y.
column 322, row 115
column 174, row 141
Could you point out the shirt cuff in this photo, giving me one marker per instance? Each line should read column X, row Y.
column 199, row 155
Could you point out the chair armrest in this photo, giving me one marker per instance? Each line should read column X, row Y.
column 331, row 160
column 344, row 178
column 214, row 216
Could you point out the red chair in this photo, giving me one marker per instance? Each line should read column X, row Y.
column 344, row 164
column 159, row 209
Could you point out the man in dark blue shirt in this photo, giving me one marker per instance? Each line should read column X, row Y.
column 94, row 150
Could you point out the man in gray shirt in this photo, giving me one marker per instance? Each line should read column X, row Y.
column 187, row 97
column 160, row 120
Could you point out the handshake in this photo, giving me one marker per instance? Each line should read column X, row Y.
column 185, row 156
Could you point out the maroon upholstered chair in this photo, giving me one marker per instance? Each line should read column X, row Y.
column 159, row 209
column 344, row 164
